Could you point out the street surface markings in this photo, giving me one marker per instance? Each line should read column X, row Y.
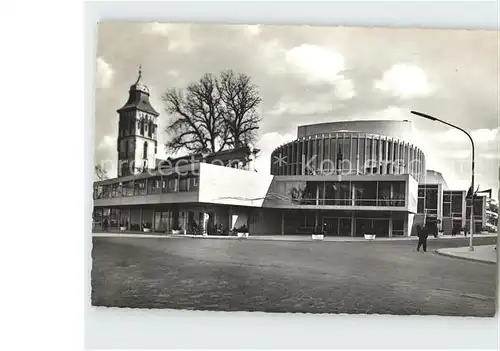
column 472, row 296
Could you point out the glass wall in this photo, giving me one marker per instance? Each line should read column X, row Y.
column 154, row 185
column 125, row 218
column 163, row 221
column 428, row 195
column 183, row 183
column 147, row 218
column 97, row 218
column 349, row 153
column 146, row 186
column 398, row 227
column 114, row 221
column 346, row 193
column 479, row 204
column 135, row 219
column 365, row 193
column 377, row 226
column 453, row 203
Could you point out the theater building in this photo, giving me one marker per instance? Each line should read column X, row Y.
column 349, row 178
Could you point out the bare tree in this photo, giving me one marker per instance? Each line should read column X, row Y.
column 198, row 123
column 100, row 172
column 213, row 114
column 241, row 99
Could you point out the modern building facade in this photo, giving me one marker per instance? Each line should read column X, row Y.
column 347, row 178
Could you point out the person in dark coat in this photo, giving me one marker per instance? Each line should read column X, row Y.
column 422, row 238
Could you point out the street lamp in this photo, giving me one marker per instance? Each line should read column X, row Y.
column 472, row 227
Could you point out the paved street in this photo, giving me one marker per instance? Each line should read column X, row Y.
column 280, row 276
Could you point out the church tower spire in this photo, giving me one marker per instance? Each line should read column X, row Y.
column 137, row 131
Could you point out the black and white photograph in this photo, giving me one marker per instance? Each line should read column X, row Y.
column 295, row 169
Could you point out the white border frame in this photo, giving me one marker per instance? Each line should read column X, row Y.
column 126, row 328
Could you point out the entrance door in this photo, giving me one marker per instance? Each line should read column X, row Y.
column 331, row 226
column 381, row 227
column 345, row 227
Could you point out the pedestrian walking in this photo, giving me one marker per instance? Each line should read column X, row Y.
column 422, row 238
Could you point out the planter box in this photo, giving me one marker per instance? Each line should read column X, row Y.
column 175, row 232
column 242, row 235
column 146, row 230
column 370, row 236
column 122, row 229
column 318, row 236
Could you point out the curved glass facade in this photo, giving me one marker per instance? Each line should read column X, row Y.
column 348, row 153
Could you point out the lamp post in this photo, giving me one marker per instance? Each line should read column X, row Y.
column 472, row 227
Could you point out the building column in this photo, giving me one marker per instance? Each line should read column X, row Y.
column 153, row 227
column 205, row 222
column 140, row 220
column 282, row 222
column 353, row 223
column 390, row 227
column 408, row 224
column 317, row 195
column 129, row 218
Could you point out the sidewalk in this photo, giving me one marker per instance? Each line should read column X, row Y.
column 273, row 237
column 483, row 253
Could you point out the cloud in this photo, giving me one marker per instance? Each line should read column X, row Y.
column 253, row 30
column 490, row 156
column 319, row 65
column 178, row 35
column 291, row 106
column 315, row 63
column 108, row 142
column 344, row 88
column 105, row 74
column 480, row 136
column 388, row 113
column 267, row 143
column 485, row 135
column 405, row 81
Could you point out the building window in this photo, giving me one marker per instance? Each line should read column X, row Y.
column 398, row 193
column 446, row 209
column 145, row 150
column 142, row 127
column 106, row 191
column 365, row 193
column 384, row 194
column 150, row 129
column 172, row 185
column 183, row 184
column 142, row 186
column 398, row 227
column 128, row 188
column 457, row 204
column 193, row 183
column 154, row 185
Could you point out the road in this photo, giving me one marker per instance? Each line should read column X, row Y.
column 281, row 276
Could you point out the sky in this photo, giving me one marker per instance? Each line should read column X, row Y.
column 309, row 74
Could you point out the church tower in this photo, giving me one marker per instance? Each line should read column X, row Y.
column 137, row 131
